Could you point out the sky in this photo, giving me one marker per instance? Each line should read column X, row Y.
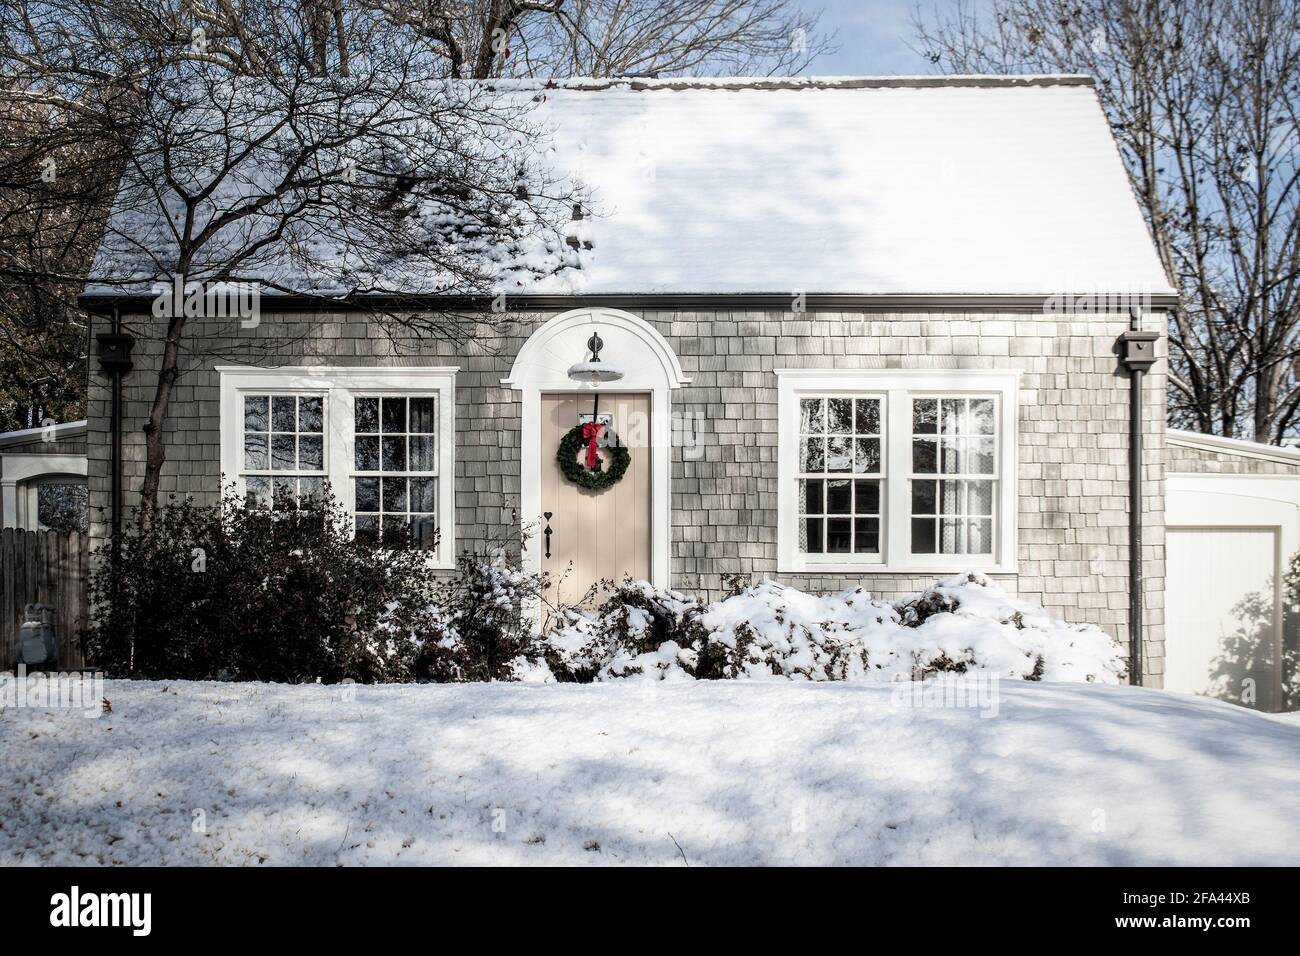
column 873, row 36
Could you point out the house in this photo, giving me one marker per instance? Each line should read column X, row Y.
column 43, row 478
column 866, row 330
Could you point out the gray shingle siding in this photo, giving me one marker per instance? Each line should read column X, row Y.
column 1202, row 461
column 1073, row 435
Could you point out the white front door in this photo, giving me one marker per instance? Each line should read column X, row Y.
column 595, row 535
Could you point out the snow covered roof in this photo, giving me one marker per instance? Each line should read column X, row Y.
column 1233, row 447
column 853, row 186
column 54, row 432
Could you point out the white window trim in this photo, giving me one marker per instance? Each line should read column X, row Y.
column 337, row 383
column 897, row 386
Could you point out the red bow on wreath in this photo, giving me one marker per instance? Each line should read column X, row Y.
column 591, row 432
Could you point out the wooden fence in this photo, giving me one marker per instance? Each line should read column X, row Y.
column 45, row 567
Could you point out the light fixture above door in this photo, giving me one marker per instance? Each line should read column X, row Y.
column 595, row 370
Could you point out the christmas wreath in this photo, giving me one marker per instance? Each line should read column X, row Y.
column 588, row 473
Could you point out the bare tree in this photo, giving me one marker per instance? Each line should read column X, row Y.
column 603, row 38
column 1203, row 100
column 52, row 189
column 318, row 147
column 304, row 153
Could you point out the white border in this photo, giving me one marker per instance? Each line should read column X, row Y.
column 649, row 365
column 338, row 383
column 896, row 386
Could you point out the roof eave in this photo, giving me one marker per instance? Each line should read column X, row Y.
column 1105, row 303
column 725, row 84
column 1235, row 447
column 75, row 429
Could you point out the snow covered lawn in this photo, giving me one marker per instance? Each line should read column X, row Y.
column 730, row 772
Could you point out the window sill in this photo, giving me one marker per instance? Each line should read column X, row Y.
column 797, row 566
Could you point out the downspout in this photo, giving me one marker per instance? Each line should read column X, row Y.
column 1136, row 355
column 116, row 440
column 114, row 352
column 115, row 359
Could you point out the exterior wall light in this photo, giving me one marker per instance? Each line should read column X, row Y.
column 595, row 371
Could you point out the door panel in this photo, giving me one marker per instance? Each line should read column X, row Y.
column 595, row 534
column 1220, row 613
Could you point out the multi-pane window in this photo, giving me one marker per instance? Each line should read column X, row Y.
column 896, row 470
column 378, row 438
column 954, row 475
column 283, row 450
column 839, row 475
column 395, row 468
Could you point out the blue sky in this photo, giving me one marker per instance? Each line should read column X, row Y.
column 873, row 36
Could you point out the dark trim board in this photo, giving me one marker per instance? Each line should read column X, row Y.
column 813, row 302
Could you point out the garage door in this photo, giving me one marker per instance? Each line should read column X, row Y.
column 1222, row 637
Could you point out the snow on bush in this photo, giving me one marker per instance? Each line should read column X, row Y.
column 971, row 621
column 768, row 631
column 639, row 629
column 484, row 629
column 295, row 597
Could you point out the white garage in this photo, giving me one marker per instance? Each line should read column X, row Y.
column 1232, row 513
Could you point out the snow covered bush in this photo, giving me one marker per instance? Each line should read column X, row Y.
column 762, row 631
column 963, row 623
column 770, row 630
column 637, row 629
column 250, row 593
column 968, row 622
column 484, row 627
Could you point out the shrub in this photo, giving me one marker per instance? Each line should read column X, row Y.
column 968, row 621
column 771, row 630
column 484, row 624
column 247, row 593
column 637, row 628
column 962, row 623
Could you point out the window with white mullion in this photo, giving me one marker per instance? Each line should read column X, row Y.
column 954, row 474
column 380, row 437
column 395, row 468
column 839, row 475
column 282, row 446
